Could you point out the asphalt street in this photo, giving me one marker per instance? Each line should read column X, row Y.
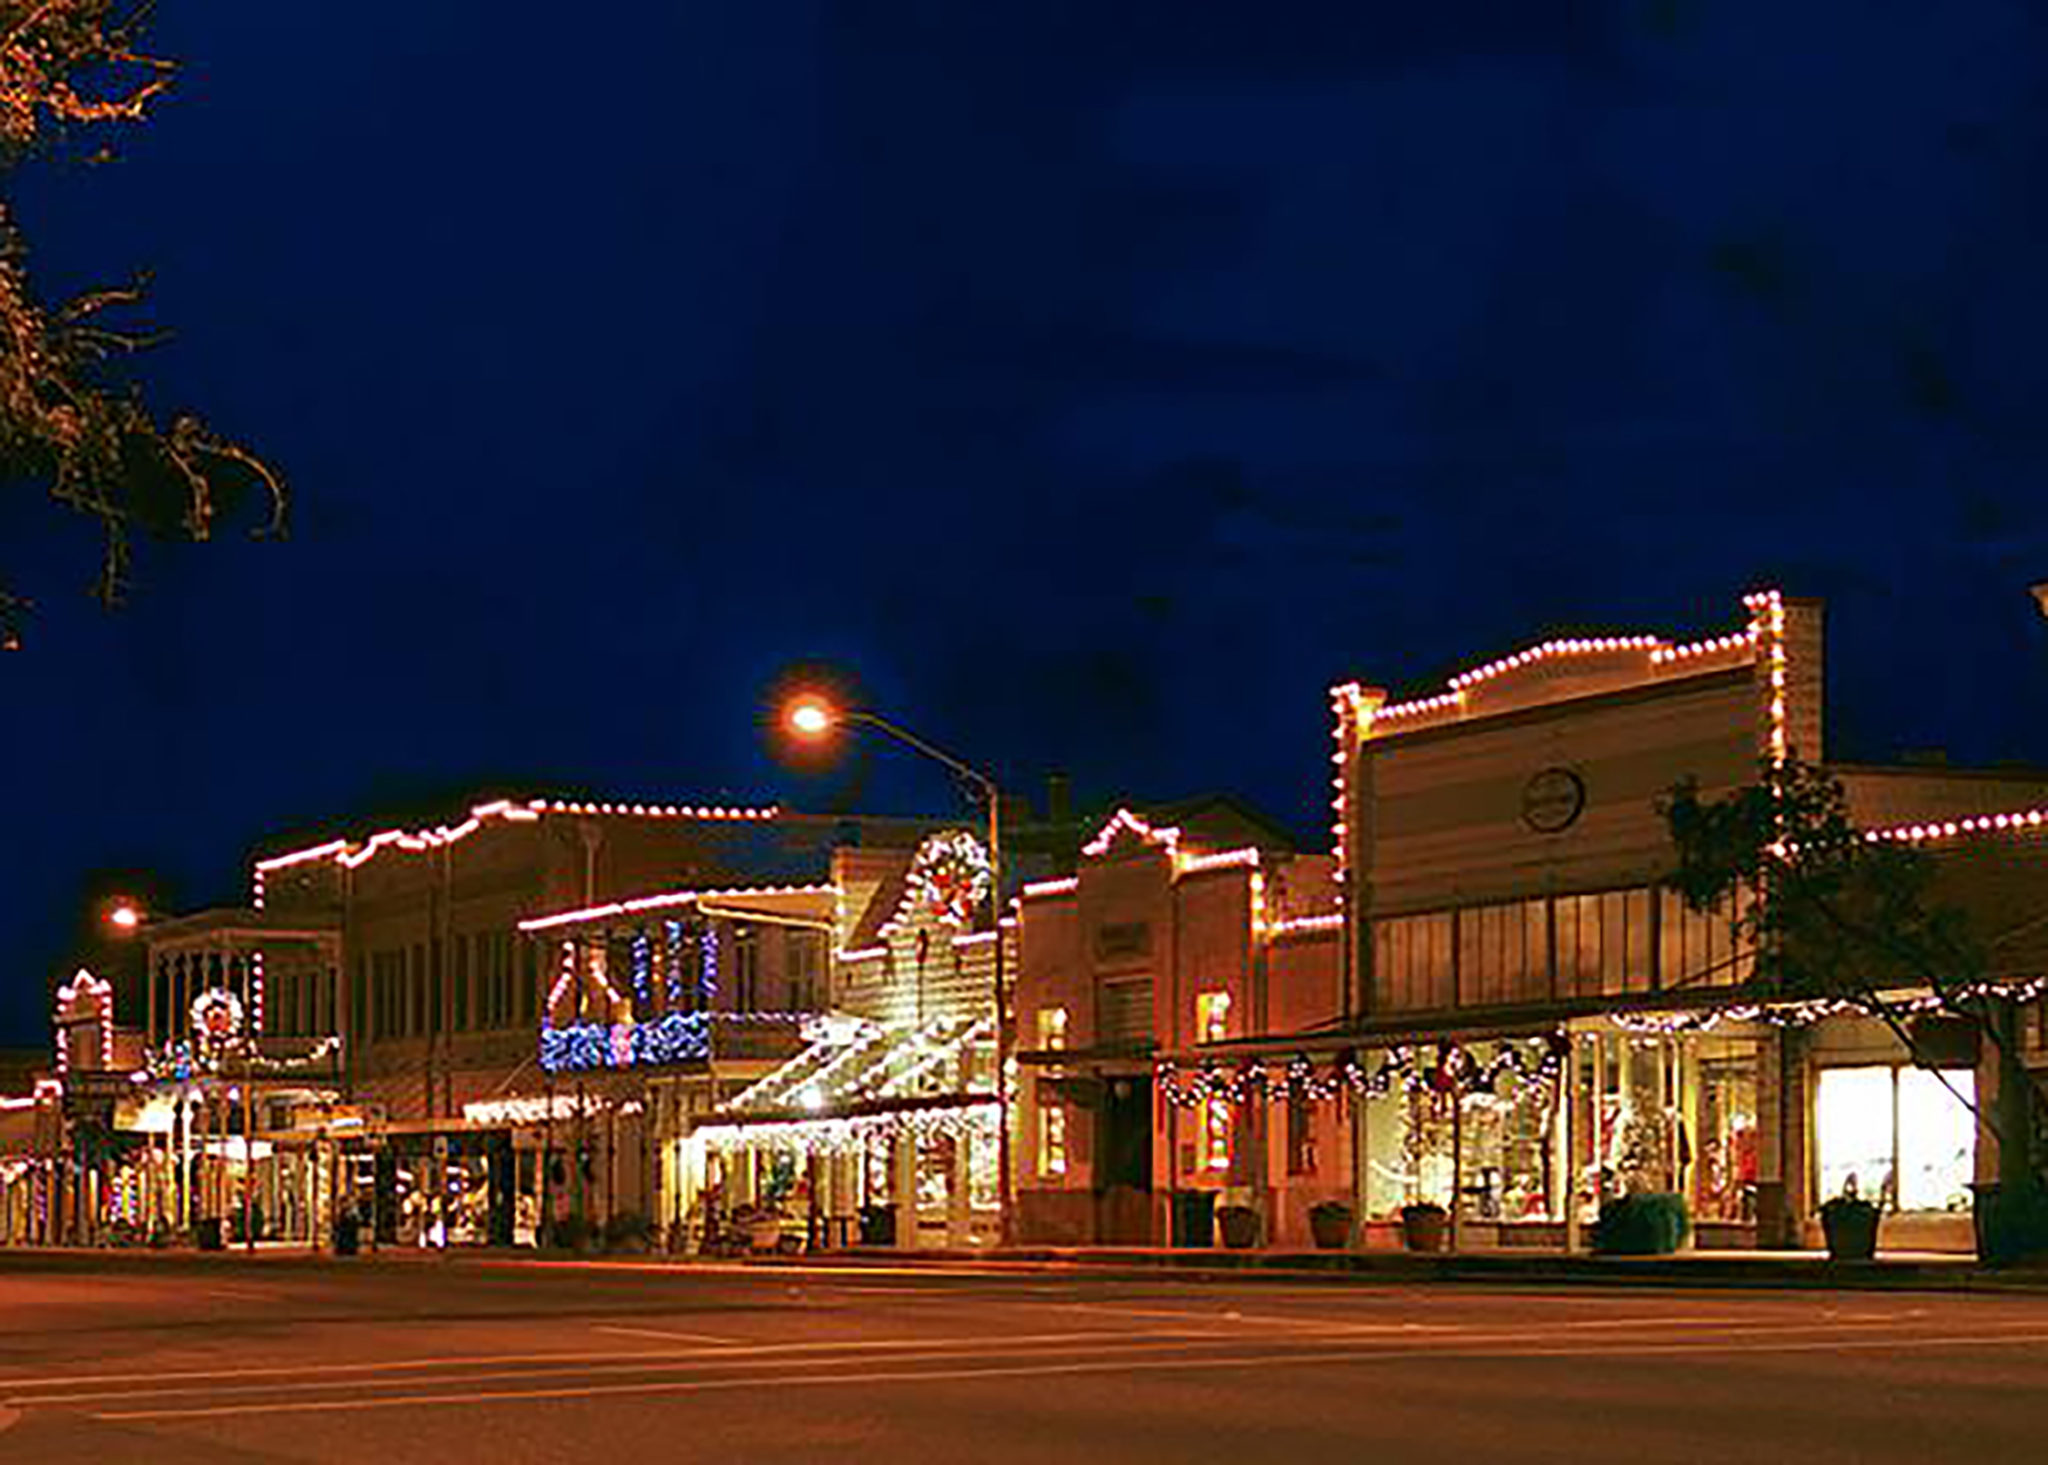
column 166, row 1359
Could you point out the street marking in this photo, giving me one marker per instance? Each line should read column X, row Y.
column 649, row 1355
column 1040, row 1370
column 658, row 1363
column 662, row 1333
column 239, row 1293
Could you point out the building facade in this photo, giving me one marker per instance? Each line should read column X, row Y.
column 1171, row 940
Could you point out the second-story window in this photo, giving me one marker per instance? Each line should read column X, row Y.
column 1052, row 1028
column 746, row 969
column 803, row 955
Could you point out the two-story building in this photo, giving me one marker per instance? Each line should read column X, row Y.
column 1536, row 1023
column 1182, row 930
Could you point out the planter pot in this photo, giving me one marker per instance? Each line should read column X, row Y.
column 764, row 1235
column 1851, row 1229
column 1331, row 1227
column 1240, row 1226
column 1423, row 1228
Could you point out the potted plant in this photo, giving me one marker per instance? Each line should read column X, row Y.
column 1329, row 1222
column 626, row 1231
column 1424, row 1224
column 1850, row 1224
column 1239, row 1225
column 1642, row 1223
column 764, row 1228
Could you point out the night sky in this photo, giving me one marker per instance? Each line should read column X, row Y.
column 1094, row 382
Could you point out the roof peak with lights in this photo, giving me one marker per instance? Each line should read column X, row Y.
column 1566, row 667
column 352, row 853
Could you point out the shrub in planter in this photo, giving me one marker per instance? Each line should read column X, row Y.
column 1645, row 1224
column 1330, row 1224
column 1240, row 1226
column 626, row 1231
column 1424, row 1224
column 1850, row 1223
column 571, row 1233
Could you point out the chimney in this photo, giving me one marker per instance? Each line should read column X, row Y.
column 1059, row 799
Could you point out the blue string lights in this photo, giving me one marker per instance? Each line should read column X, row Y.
column 677, row 1037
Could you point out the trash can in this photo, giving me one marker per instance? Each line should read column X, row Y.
column 207, row 1233
column 1194, row 1218
column 348, row 1234
column 877, row 1225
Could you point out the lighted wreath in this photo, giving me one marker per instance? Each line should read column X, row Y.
column 217, row 1015
column 950, row 875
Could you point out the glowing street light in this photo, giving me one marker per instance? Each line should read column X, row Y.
column 812, row 716
column 125, row 916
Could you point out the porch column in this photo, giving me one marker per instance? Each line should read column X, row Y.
column 903, row 1162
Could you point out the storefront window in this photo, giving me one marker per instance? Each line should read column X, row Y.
column 1410, row 1148
column 1724, row 1178
column 1900, row 1136
column 1506, row 1147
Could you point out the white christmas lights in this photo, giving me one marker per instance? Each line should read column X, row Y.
column 2010, row 822
column 1165, row 836
column 351, row 855
column 664, row 901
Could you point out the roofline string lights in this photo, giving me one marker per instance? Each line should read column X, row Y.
column 350, row 855
column 2012, row 822
column 1658, row 654
column 665, row 901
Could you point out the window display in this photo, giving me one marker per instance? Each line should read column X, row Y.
column 1903, row 1137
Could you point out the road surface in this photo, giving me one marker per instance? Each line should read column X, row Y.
column 166, row 1360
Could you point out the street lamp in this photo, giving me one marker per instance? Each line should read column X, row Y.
column 811, row 716
column 124, row 916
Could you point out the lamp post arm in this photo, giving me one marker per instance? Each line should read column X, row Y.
column 903, row 735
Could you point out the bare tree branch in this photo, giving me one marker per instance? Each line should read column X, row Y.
column 67, row 429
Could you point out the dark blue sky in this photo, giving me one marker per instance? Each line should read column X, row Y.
column 1097, row 382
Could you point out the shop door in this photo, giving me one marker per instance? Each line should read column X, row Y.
column 1124, row 1201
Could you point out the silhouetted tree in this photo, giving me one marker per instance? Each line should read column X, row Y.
column 70, row 430
column 1828, row 912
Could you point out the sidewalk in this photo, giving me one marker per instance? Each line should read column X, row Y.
column 1713, row 1269
column 1790, row 1270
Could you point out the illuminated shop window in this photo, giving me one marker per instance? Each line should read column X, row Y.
column 1901, row 1136
column 1052, row 1139
column 1301, row 1136
column 1052, row 1115
column 1212, row 1025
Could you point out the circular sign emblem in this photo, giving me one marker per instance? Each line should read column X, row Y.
column 1553, row 800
